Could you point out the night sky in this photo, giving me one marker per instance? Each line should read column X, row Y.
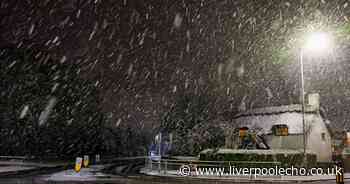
column 142, row 54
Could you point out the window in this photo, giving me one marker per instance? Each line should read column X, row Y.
column 323, row 136
column 280, row 130
column 243, row 131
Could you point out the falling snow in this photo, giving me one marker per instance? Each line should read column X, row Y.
column 48, row 109
column 177, row 20
column 160, row 66
column 24, row 112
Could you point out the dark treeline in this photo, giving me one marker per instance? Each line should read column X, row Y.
column 47, row 110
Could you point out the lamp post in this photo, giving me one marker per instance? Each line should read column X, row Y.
column 315, row 42
column 303, row 100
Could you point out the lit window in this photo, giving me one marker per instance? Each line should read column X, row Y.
column 243, row 131
column 280, row 130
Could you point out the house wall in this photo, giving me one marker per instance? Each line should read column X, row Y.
column 315, row 126
column 231, row 138
column 293, row 141
column 321, row 145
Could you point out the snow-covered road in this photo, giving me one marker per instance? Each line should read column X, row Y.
column 12, row 166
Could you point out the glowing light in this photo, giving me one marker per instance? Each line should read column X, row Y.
column 318, row 42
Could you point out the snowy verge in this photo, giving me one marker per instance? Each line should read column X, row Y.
column 86, row 174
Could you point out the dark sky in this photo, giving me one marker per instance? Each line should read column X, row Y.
column 143, row 53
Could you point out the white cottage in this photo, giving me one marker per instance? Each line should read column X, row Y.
column 261, row 120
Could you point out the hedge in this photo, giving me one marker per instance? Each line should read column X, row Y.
column 259, row 158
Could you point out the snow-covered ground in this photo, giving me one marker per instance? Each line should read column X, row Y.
column 85, row 174
column 14, row 168
column 19, row 165
column 24, row 163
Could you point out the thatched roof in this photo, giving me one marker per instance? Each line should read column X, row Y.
column 277, row 110
column 262, row 119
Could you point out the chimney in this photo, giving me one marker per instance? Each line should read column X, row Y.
column 314, row 100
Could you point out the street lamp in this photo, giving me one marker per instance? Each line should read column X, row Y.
column 316, row 43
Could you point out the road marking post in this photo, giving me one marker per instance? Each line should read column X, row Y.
column 97, row 158
column 86, row 160
column 339, row 178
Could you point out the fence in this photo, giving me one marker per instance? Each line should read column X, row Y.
column 156, row 165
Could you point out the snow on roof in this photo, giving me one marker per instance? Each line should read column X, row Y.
column 263, row 119
column 277, row 110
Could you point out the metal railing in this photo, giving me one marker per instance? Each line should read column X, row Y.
column 172, row 166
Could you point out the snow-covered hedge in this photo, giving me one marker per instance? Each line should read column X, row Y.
column 261, row 158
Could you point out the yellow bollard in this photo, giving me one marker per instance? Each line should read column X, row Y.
column 86, row 160
column 78, row 162
column 340, row 177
